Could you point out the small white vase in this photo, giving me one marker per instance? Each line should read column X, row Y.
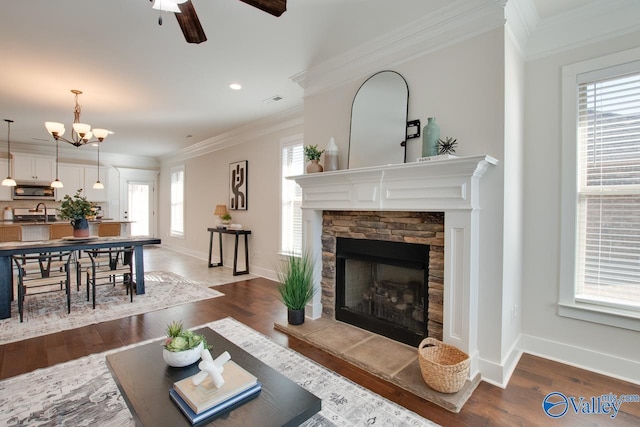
column 179, row 359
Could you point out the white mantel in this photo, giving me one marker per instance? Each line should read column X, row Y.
column 450, row 186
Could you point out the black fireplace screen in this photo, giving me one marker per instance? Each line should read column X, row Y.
column 383, row 287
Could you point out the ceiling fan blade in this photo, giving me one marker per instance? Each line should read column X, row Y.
column 274, row 7
column 190, row 24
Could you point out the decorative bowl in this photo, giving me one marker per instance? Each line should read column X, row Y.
column 179, row 359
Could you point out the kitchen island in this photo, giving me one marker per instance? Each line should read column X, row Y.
column 7, row 250
column 35, row 231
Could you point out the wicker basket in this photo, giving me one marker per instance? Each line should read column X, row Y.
column 444, row 367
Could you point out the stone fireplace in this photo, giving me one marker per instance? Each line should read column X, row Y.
column 342, row 204
column 383, row 271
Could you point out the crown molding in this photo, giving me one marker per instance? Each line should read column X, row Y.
column 85, row 156
column 458, row 21
column 261, row 128
column 601, row 20
column 521, row 21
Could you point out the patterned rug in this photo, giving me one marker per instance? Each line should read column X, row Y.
column 46, row 313
column 83, row 393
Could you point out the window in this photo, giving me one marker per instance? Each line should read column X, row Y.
column 291, row 164
column 177, row 201
column 601, row 150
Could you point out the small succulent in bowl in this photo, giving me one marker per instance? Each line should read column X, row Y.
column 179, row 339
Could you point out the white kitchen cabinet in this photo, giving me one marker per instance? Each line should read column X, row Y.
column 30, row 167
column 5, row 192
column 72, row 178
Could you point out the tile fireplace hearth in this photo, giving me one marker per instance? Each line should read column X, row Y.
column 448, row 186
column 387, row 359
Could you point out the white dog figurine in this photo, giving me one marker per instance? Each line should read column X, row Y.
column 212, row 368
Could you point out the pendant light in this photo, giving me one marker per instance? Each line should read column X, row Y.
column 57, row 183
column 8, row 181
column 98, row 185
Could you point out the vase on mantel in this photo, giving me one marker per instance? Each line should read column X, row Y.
column 430, row 137
column 313, row 166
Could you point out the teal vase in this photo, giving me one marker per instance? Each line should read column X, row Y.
column 430, row 137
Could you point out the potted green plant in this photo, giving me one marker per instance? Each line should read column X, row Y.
column 76, row 209
column 296, row 285
column 226, row 219
column 182, row 347
column 312, row 154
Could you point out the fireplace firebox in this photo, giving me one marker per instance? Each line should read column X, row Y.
column 382, row 286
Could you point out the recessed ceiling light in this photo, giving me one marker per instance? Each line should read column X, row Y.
column 235, row 86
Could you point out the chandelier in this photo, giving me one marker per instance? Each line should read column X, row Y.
column 81, row 133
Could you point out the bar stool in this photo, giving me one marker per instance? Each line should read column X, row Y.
column 10, row 233
column 53, row 276
column 106, row 229
column 60, row 230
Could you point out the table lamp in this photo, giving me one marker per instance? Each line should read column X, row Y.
column 220, row 211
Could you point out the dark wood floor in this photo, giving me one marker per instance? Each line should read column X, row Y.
column 254, row 303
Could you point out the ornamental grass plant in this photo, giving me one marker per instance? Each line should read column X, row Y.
column 295, row 274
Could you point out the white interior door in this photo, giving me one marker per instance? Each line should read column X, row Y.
column 139, row 207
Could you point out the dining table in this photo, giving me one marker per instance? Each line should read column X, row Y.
column 9, row 249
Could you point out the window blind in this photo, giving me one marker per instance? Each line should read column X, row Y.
column 291, row 195
column 609, row 191
column 177, row 202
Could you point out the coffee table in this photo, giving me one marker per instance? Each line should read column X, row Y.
column 144, row 380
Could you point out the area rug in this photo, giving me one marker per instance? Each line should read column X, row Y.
column 82, row 392
column 46, row 313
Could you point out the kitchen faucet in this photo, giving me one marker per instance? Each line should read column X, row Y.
column 46, row 217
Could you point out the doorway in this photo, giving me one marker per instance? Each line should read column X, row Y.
column 139, row 207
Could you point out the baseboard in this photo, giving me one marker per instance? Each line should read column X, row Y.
column 605, row 364
column 186, row 251
column 499, row 374
column 255, row 270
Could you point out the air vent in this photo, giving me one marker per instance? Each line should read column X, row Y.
column 271, row 99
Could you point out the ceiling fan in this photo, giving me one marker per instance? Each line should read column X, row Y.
column 190, row 24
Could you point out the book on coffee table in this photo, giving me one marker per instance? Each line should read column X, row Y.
column 206, row 395
column 234, row 401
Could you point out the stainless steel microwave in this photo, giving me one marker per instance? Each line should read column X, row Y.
column 34, row 191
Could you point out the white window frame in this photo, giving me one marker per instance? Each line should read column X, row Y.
column 284, row 143
column 175, row 232
column 568, row 305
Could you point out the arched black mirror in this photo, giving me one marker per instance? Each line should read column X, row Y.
column 379, row 121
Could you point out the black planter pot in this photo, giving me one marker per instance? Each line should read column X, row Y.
column 295, row 317
column 80, row 227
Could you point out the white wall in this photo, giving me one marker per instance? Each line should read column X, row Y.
column 597, row 347
column 513, row 203
column 207, row 184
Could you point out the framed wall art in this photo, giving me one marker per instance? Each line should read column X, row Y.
column 238, row 179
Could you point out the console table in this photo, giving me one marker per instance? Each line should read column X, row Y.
column 237, row 233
